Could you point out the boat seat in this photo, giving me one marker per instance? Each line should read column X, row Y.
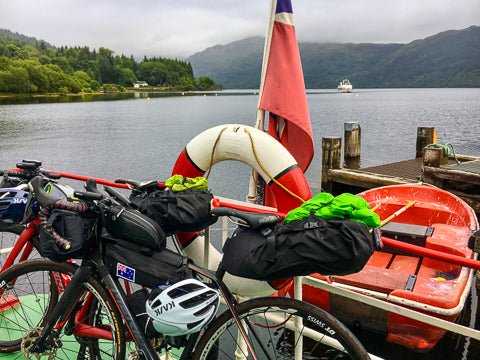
column 412, row 234
column 376, row 279
column 450, row 239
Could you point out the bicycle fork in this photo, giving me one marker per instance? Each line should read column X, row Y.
column 62, row 310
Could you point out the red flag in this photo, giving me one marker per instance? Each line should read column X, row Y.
column 283, row 93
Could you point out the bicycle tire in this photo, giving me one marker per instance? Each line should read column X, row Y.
column 8, row 238
column 39, row 276
column 319, row 329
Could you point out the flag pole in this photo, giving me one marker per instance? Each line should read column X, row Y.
column 260, row 113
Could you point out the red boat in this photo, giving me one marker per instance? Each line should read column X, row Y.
column 439, row 221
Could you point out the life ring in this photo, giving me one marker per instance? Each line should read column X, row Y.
column 234, row 142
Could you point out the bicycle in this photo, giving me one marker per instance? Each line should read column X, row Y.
column 86, row 306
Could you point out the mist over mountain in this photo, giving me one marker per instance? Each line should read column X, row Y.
column 24, row 39
column 447, row 59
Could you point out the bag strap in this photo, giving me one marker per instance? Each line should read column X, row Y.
column 311, row 222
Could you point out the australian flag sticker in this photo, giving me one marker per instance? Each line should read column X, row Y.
column 125, row 272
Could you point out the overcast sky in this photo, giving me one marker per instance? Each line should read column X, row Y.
column 180, row 28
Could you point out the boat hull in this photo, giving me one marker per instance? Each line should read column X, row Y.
column 438, row 221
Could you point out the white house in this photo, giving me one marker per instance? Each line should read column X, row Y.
column 137, row 84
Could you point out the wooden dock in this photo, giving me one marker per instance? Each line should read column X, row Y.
column 431, row 166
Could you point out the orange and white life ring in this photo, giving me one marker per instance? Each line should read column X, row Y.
column 234, row 142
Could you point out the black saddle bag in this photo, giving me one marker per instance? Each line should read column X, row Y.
column 127, row 224
column 182, row 211
column 78, row 228
column 301, row 247
column 145, row 266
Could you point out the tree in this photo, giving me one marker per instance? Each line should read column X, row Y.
column 105, row 65
column 205, row 83
column 124, row 76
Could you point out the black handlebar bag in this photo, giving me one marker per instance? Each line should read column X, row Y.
column 299, row 248
column 77, row 228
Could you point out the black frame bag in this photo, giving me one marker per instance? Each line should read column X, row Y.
column 77, row 228
column 175, row 212
column 299, row 248
column 144, row 266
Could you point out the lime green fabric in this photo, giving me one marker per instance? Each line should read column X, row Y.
column 179, row 183
column 315, row 203
column 344, row 206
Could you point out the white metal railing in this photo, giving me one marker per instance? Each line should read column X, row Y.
column 397, row 309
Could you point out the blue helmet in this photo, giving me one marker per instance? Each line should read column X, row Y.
column 12, row 206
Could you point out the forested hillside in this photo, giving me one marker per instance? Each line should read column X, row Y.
column 448, row 59
column 41, row 68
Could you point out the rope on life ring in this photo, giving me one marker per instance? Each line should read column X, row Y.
column 278, row 168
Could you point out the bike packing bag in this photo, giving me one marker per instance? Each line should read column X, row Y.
column 299, row 248
column 78, row 228
column 182, row 211
column 144, row 266
column 130, row 225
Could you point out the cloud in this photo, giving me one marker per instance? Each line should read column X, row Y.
column 174, row 28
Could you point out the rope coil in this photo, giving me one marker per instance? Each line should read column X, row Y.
column 446, row 150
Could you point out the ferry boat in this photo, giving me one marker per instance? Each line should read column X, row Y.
column 345, row 86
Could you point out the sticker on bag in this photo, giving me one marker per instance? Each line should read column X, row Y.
column 125, row 272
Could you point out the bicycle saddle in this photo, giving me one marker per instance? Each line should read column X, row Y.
column 253, row 220
column 139, row 186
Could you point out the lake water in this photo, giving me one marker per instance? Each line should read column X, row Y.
column 141, row 136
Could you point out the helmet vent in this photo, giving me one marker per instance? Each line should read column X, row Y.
column 197, row 300
column 182, row 290
column 204, row 311
column 192, row 325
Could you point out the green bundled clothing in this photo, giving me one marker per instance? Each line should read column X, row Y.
column 344, row 206
column 179, row 183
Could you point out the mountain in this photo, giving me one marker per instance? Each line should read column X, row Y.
column 14, row 36
column 447, row 59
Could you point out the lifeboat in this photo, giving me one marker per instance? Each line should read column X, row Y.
column 438, row 221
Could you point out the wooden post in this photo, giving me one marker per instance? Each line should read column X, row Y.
column 352, row 146
column 425, row 136
column 331, row 155
column 434, row 156
column 352, row 140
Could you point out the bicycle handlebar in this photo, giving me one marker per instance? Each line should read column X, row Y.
column 28, row 169
column 25, row 174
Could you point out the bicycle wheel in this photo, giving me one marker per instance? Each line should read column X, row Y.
column 8, row 238
column 30, row 290
column 274, row 326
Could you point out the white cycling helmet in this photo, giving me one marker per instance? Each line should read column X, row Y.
column 182, row 308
